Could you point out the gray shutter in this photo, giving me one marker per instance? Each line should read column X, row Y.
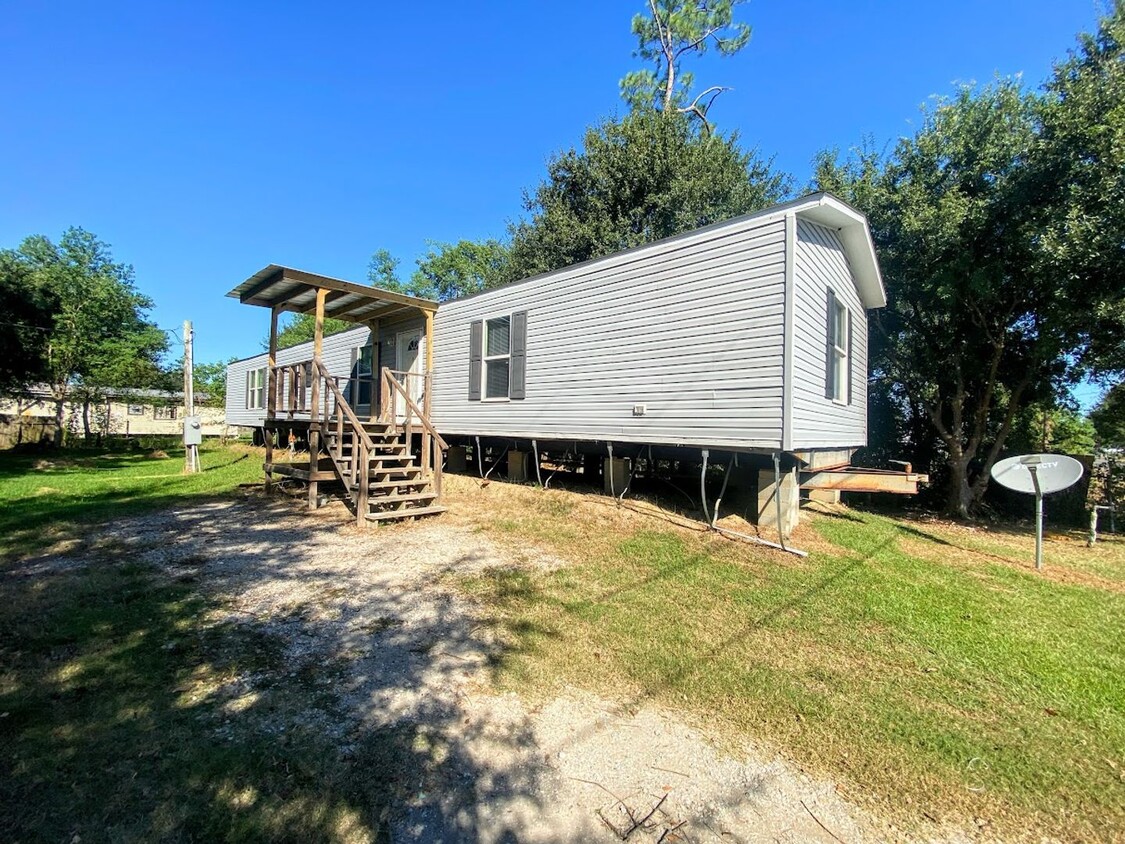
column 851, row 363
column 376, row 374
column 517, row 388
column 351, row 393
column 830, row 342
column 476, row 343
column 248, row 372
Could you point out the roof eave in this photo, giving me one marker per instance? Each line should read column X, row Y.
column 855, row 234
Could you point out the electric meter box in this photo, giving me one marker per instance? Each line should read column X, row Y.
column 193, row 430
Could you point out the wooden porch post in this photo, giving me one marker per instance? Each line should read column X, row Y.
column 429, row 360
column 431, row 456
column 314, row 410
column 271, row 397
column 376, row 341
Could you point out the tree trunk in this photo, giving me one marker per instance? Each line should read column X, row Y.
column 980, row 485
column 60, row 421
column 86, row 419
column 960, row 495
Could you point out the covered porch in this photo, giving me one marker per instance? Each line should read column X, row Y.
column 360, row 427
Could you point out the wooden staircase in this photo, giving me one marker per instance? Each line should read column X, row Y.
column 384, row 480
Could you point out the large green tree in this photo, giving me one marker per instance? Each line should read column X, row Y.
column 669, row 33
column 999, row 228
column 25, row 327
column 449, row 270
column 635, row 180
column 971, row 333
column 1078, row 185
column 100, row 336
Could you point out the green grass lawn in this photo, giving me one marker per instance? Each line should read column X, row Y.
column 48, row 497
column 125, row 709
column 926, row 668
column 939, row 685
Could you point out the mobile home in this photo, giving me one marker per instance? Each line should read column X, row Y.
column 746, row 337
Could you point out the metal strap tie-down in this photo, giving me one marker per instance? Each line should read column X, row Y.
column 535, row 449
column 757, row 540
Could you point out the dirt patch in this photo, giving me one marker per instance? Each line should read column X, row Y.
column 43, row 465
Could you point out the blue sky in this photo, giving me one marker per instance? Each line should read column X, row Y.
column 206, row 140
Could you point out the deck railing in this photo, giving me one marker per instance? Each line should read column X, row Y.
column 294, row 392
column 353, row 452
column 307, row 391
column 395, row 386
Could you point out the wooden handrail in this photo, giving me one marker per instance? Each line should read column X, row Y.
column 342, row 404
column 393, row 384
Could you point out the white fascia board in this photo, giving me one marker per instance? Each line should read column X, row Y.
column 855, row 234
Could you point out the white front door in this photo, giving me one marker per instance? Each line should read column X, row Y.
column 410, row 356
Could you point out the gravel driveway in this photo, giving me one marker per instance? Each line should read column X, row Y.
column 407, row 654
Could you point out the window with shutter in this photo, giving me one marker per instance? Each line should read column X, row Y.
column 364, row 360
column 498, row 358
column 837, row 352
column 517, row 389
column 476, row 335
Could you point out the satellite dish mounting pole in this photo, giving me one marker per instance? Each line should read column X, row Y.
column 1038, row 475
column 1038, row 517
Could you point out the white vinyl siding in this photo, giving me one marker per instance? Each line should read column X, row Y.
column 818, row 421
column 691, row 328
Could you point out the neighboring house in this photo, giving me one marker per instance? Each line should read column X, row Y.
column 748, row 336
column 31, row 416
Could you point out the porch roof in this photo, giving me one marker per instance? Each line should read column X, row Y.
column 288, row 289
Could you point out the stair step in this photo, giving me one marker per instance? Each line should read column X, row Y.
column 395, row 484
column 398, row 499
column 347, row 458
column 377, row 439
column 392, row 515
column 380, row 458
column 374, row 487
column 397, row 470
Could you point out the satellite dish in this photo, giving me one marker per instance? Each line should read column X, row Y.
column 1037, row 474
column 1055, row 473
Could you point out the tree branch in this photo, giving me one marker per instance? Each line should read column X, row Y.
column 697, row 42
column 980, row 418
column 669, row 56
column 701, row 111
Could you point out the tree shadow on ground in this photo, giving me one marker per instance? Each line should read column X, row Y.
column 180, row 681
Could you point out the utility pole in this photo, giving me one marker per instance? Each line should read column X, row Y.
column 191, row 449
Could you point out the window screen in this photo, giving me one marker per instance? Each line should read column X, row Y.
column 497, row 357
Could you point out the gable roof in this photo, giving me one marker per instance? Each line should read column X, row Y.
column 824, row 208
column 854, row 233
